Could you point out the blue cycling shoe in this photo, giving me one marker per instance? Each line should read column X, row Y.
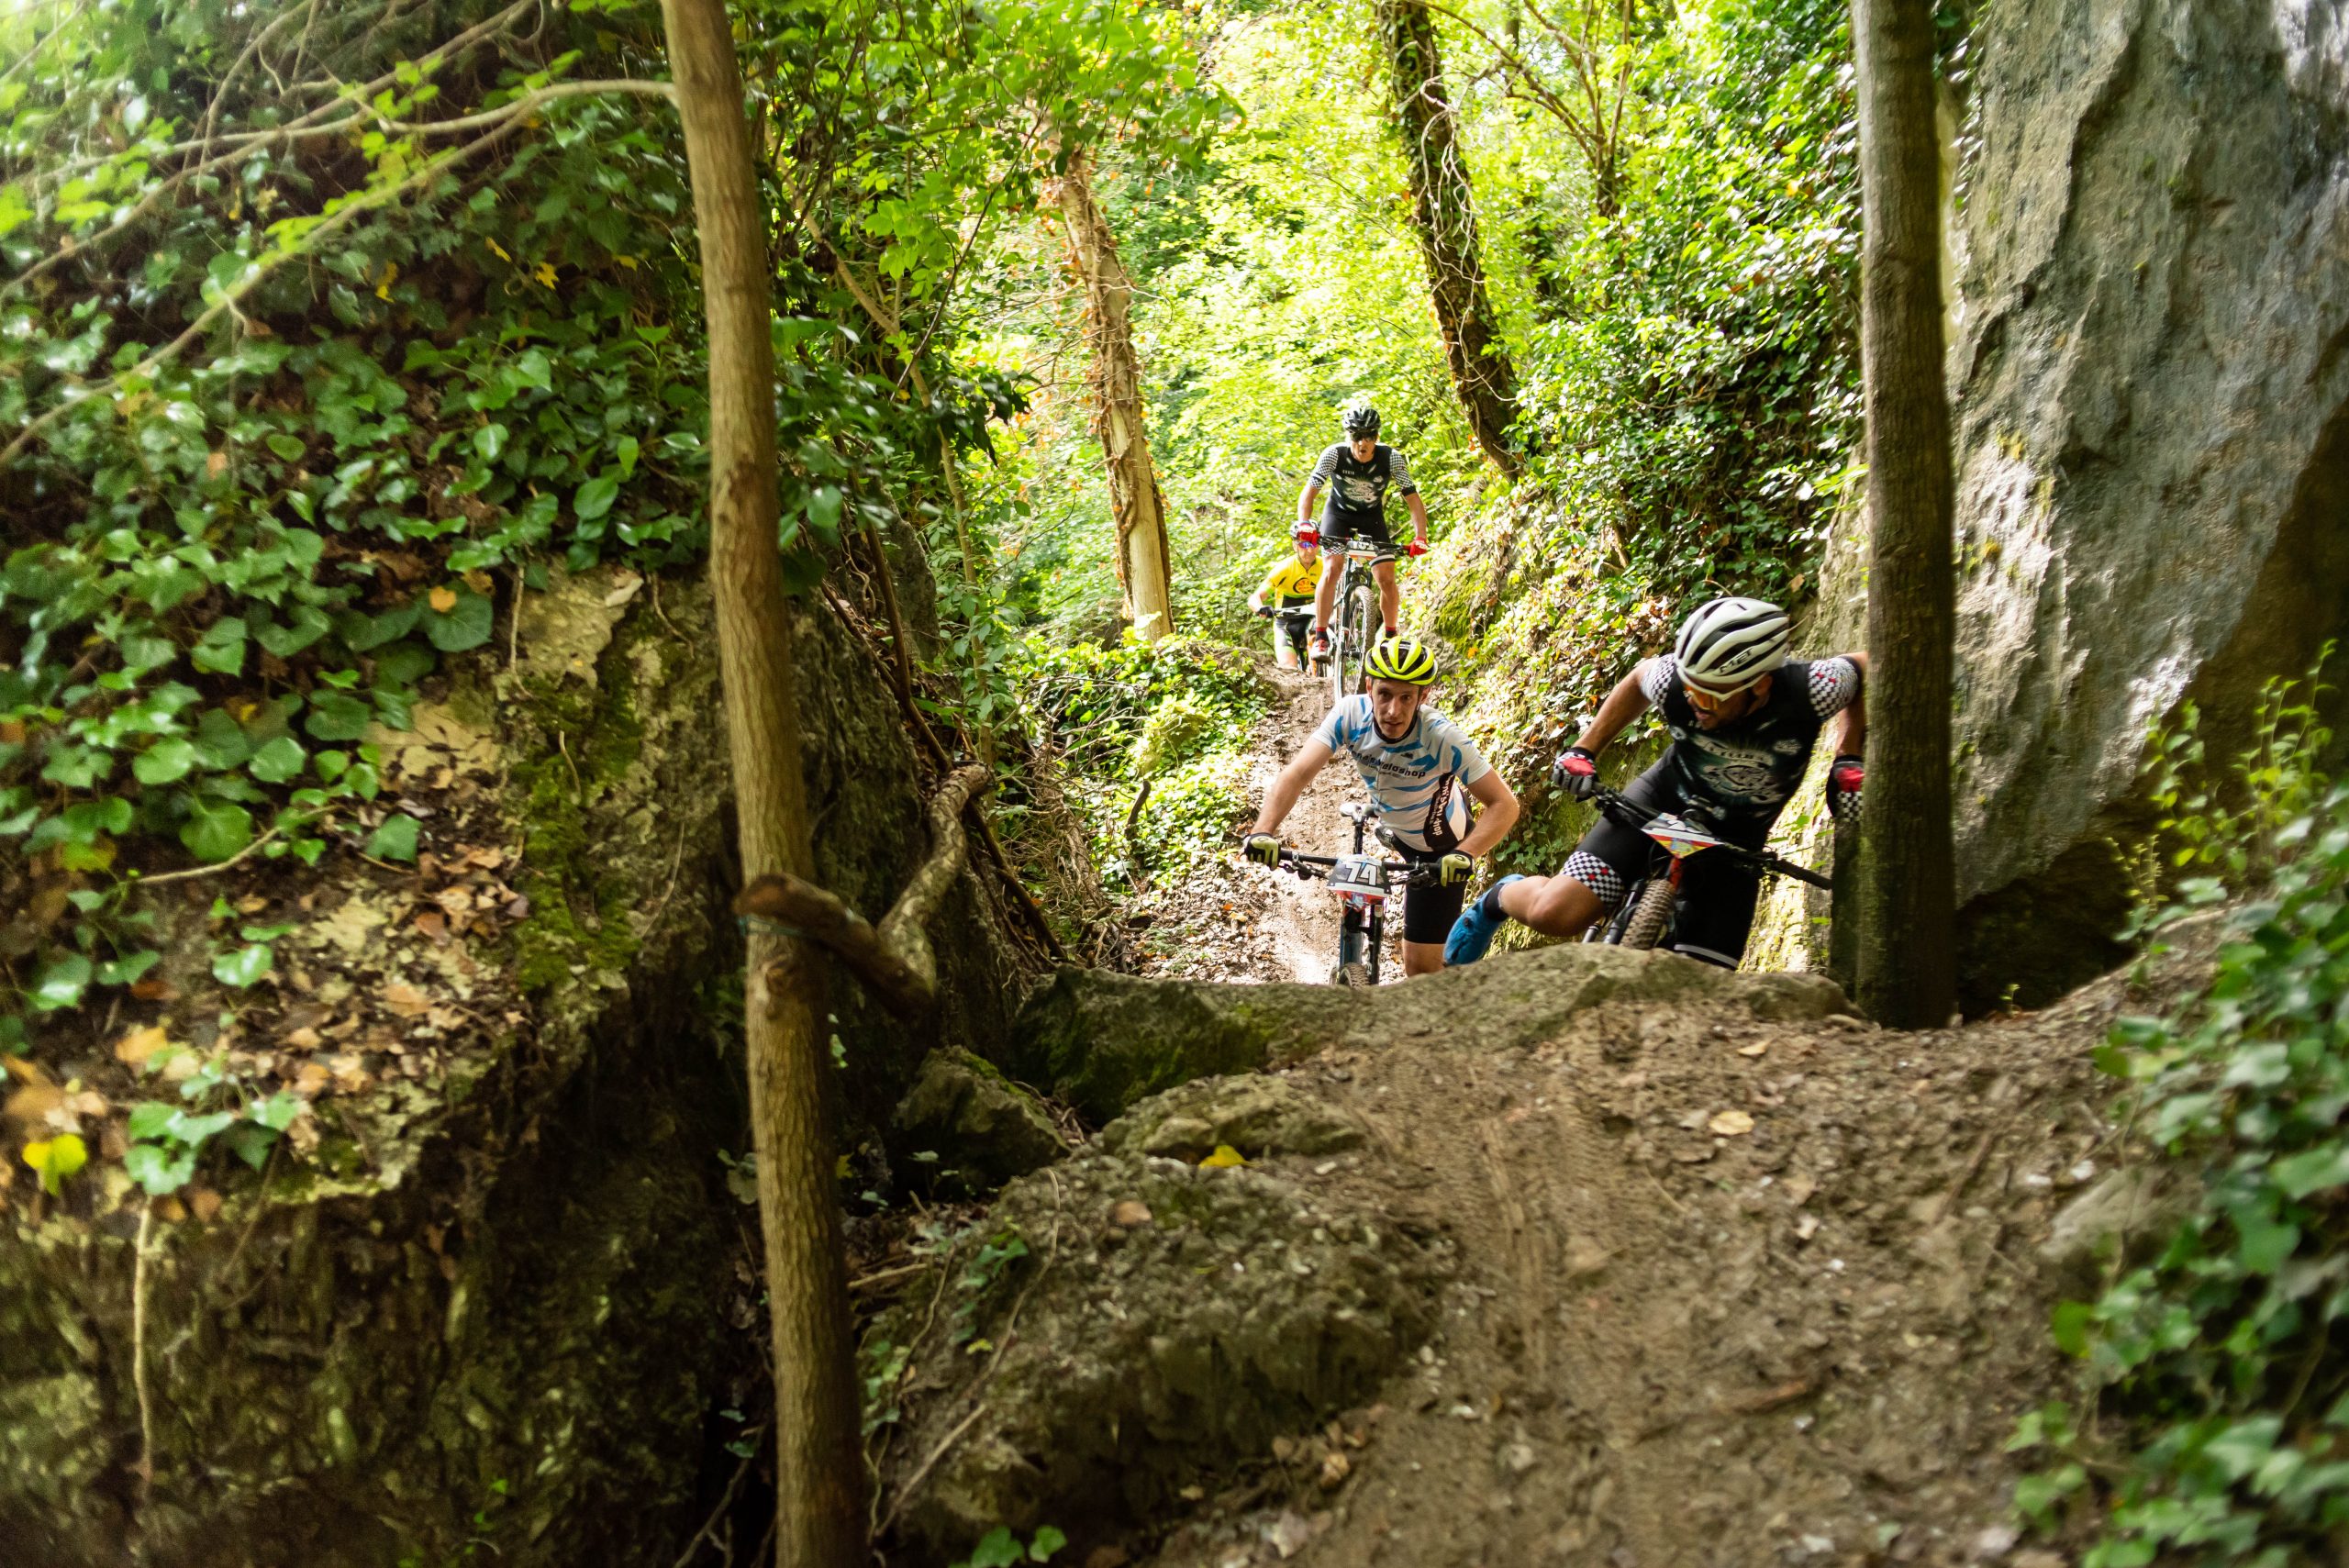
column 1479, row 924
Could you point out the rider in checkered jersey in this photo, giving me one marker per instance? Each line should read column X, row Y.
column 1743, row 719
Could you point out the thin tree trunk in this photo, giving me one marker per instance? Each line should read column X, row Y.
column 1144, row 568
column 1443, row 213
column 819, row 1481
column 1907, row 958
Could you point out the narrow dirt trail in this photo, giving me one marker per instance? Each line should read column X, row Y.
column 1802, row 1339
column 1231, row 921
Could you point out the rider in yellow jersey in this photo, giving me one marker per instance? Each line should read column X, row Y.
column 1290, row 585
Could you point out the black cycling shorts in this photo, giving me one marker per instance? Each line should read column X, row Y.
column 1428, row 912
column 1337, row 528
column 1717, row 894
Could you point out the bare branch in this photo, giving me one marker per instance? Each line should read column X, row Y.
column 894, row 958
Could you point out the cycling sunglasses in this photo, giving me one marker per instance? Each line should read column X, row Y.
column 1704, row 701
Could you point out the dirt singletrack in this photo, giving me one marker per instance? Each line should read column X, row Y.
column 1732, row 1292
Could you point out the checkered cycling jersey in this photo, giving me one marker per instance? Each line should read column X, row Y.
column 1358, row 490
column 1750, row 766
column 1414, row 781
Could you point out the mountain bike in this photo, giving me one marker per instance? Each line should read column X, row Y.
column 1354, row 620
column 1362, row 881
column 1645, row 918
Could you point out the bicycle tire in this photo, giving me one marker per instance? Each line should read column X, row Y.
column 1353, row 974
column 1360, row 613
column 1649, row 915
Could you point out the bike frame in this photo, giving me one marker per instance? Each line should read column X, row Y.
column 1362, row 883
column 1677, row 839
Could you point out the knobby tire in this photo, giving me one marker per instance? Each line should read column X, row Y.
column 1649, row 915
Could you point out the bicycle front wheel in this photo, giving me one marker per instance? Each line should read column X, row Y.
column 1362, row 618
column 1650, row 913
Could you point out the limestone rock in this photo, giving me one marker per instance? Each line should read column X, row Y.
column 2152, row 431
column 1255, row 1114
column 1246, row 1308
column 2130, row 1209
column 985, row 1129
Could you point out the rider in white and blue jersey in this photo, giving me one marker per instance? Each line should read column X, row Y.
column 1421, row 769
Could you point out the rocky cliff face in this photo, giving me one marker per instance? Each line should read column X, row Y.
column 2151, row 428
column 483, row 1306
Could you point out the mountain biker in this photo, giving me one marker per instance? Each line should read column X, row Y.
column 1744, row 719
column 1415, row 762
column 1287, row 586
column 1358, row 471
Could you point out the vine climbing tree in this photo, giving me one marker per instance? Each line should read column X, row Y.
column 1137, row 505
column 1443, row 215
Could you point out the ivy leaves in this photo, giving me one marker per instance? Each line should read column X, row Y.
column 2218, row 1346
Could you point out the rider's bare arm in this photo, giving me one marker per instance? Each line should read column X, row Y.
column 1281, row 798
column 1624, row 704
column 1305, row 500
column 1851, row 733
column 1419, row 516
column 1499, row 816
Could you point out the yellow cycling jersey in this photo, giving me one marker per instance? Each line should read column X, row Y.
column 1292, row 579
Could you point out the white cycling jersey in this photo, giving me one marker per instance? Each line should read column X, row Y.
column 1414, row 781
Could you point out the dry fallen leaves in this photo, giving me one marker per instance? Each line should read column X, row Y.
column 1756, row 1049
column 1730, row 1124
column 406, row 1000
column 444, row 599
column 133, row 1049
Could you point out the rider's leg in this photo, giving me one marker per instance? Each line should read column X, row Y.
column 1333, row 566
column 1390, row 597
column 1562, row 906
column 1284, row 644
column 1427, row 915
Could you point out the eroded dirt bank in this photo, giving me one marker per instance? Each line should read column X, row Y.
column 1671, row 1267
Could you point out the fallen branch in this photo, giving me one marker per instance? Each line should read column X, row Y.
column 894, row 958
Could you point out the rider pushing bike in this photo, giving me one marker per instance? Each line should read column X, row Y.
column 1290, row 586
column 1358, row 471
column 1743, row 719
column 1415, row 763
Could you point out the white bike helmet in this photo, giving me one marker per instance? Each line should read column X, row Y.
column 1728, row 644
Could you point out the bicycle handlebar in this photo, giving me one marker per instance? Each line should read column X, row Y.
column 1410, row 875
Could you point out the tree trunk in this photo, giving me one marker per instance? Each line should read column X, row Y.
column 1906, row 949
column 819, row 1480
column 1444, row 213
column 1138, row 505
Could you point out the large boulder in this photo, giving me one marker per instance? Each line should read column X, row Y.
column 2152, row 430
column 970, row 1128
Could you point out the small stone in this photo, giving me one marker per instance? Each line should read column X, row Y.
column 1335, row 1468
column 1520, row 1457
column 1993, row 1543
column 1287, row 1534
column 1130, row 1214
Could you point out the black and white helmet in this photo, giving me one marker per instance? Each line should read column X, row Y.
column 1360, row 421
column 1730, row 643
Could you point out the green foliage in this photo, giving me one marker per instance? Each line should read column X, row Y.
column 1697, row 391
column 2232, row 1442
column 1178, row 715
column 999, row 1548
column 167, row 1140
column 2229, row 831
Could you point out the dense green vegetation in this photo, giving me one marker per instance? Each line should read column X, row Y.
column 2213, row 1405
